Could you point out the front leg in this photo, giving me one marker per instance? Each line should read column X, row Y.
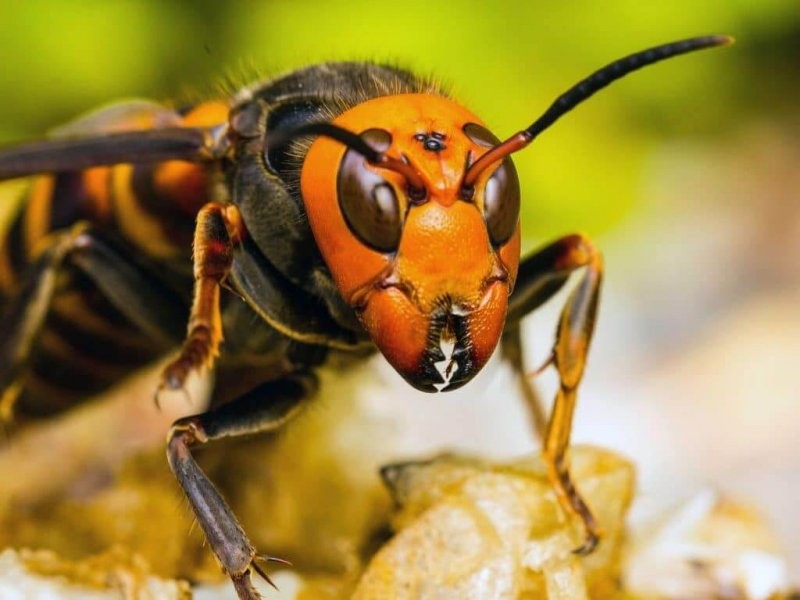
column 266, row 408
column 219, row 228
column 541, row 276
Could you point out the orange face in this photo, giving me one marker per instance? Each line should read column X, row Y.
column 428, row 269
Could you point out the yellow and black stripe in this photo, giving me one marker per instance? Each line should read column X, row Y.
column 86, row 342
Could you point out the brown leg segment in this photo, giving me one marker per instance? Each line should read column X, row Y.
column 541, row 276
column 218, row 229
column 264, row 409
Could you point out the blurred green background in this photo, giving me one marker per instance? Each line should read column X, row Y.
column 506, row 61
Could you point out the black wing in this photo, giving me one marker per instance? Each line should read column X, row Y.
column 74, row 154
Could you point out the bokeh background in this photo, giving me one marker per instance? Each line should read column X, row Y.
column 687, row 174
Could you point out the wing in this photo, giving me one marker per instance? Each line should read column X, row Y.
column 137, row 131
column 192, row 144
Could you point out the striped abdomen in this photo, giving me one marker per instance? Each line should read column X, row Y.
column 147, row 211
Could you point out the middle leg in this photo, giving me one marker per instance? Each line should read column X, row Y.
column 264, row 409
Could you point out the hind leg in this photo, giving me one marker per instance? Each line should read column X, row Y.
column 541, row 276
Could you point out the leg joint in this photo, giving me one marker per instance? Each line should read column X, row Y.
column 186, row 432
column 578, row 250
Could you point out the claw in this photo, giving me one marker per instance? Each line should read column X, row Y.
column 264, row 575
column 589, row 544
column 266, row 558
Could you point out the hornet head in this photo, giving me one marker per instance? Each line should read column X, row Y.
column 427, row 267
column 414, row 205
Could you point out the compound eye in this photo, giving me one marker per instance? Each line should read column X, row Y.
column 368, row 202
column 501, row 203
column 501, row 194
column 480, row 135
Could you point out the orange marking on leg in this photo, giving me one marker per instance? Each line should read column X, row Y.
column 203, row 337
column 213, row 255
column 236, row 227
